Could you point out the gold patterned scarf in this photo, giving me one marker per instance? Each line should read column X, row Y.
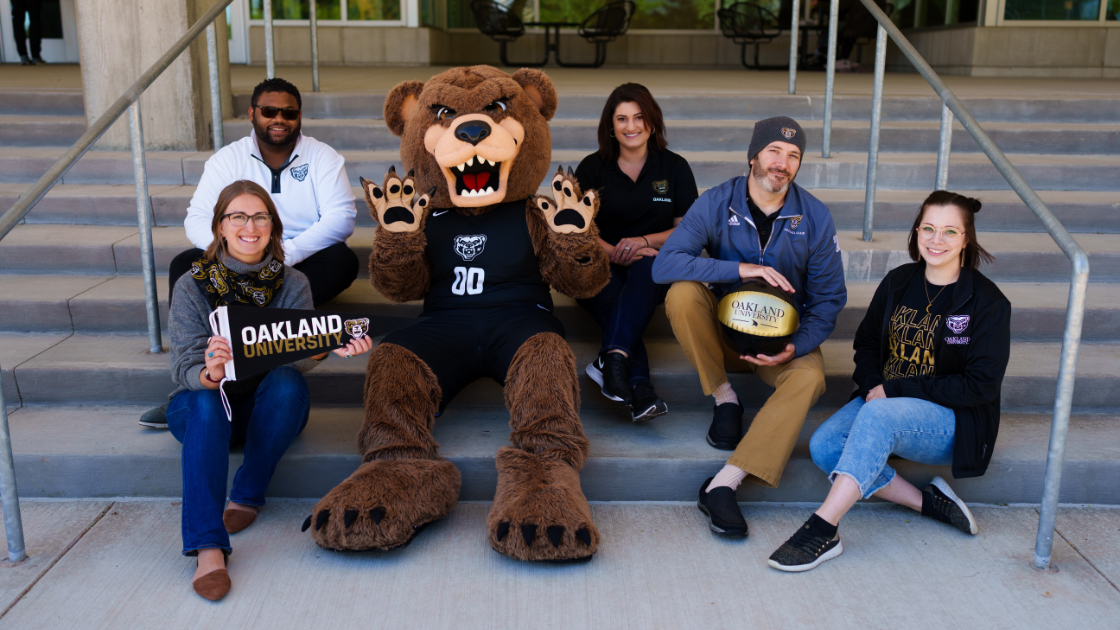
column 225, row 287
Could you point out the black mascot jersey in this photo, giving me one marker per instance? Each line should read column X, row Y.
column 483, row 261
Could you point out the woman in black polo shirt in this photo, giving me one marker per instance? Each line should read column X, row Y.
column 644, row 190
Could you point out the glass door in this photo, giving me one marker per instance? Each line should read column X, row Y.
column 57, row 26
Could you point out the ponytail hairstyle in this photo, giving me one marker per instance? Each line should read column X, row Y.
column 973, row 253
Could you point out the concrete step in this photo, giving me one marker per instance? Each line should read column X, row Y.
column 898, row 171
column 41, row 131
column 118, row 369
column 41, row 102
column 1079, row 211
column 69, row 452
column 108, row 250
column 736, row 105
column 115, row 304
column 735, row 135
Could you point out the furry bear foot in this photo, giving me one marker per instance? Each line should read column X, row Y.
column 384, row 504
column 539, row 511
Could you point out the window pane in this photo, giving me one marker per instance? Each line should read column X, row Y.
column 649, row 14
column 296, row 9
column 1052, row 10
column 459, row 12
column 1113, row 10
column 373, row 9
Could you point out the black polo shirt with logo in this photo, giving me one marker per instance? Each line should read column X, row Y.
column 664, row 191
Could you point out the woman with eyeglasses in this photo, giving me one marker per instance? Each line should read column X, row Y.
column 930, row 357
column 243, row 266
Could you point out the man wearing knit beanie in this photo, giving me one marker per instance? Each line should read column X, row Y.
column 759, row 227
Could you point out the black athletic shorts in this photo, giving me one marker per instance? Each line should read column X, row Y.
column 467, row 345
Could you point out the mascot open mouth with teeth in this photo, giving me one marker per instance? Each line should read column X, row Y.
column 481, row 250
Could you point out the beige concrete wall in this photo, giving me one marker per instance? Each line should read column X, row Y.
column 1010, row 51
column 118, row 41
column 340, row 45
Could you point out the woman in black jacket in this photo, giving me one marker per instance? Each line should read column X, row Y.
column 930, row 357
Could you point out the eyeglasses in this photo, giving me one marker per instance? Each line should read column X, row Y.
column 949, row 234
column 239, row 220
column 289, row 113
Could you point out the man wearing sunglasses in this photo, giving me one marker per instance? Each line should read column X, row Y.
column 306, row 180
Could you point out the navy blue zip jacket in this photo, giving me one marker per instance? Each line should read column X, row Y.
column 803, row 247
column 971, row 351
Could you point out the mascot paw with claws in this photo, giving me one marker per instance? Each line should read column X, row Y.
column 482, row 251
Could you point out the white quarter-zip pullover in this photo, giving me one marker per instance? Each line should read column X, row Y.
column 311, row 192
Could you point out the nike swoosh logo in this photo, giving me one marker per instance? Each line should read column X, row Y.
column 436, row 214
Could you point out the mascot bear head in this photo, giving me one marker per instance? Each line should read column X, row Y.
column 478, row 135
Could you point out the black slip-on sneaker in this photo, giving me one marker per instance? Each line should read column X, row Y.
column 805, row 551
column 646, row 404
column 155, row 418
column 724, row 516
column 939, row 502
column 727, row 426
column 611, row 371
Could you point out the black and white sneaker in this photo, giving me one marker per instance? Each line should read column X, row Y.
column 611, row 371
column 646, row 403
column 941, row 503
column 805, row 550
column 724, row 516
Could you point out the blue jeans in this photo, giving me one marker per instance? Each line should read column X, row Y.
column 267, row 421
column 623, row 310
column 857, row 440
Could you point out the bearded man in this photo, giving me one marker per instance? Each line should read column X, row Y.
column 306, row 180
column 762, row 227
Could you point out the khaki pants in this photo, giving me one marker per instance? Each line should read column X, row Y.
column 765, row 449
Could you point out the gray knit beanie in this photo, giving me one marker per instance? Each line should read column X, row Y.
column 776, row 129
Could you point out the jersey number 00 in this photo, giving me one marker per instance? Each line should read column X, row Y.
column 468, row 281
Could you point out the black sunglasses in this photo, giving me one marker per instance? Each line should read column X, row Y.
column 289, row 113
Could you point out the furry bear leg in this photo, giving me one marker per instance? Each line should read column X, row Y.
column 403, row 484
column 539, row 510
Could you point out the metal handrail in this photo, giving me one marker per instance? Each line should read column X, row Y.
column 1079, row 281
column 130, row 101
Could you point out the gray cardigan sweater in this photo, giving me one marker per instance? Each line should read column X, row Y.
column 190, row 325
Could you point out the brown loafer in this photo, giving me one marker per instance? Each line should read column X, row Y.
column 237, row 520
column 214, row 585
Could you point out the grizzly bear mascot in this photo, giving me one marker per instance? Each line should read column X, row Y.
column 481, row 250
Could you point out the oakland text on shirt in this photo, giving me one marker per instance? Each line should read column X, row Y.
column 911, row 344
column 309, row 333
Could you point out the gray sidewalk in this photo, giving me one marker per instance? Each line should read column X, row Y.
column 103, row 564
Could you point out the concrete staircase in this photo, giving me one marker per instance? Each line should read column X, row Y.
column 75, row 361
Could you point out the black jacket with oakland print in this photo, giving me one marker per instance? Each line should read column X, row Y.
column 971, row 350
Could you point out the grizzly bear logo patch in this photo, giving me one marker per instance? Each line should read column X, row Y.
column 470, row 247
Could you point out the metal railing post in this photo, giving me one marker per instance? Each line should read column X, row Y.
column 876, row 121
column 269, row 51
column 1059, row 425
column 944, row 145
column 144, row 215
column 9, row 498
column 793, row 32
column 314, row 48
column 830, row 77
column 216, row 118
